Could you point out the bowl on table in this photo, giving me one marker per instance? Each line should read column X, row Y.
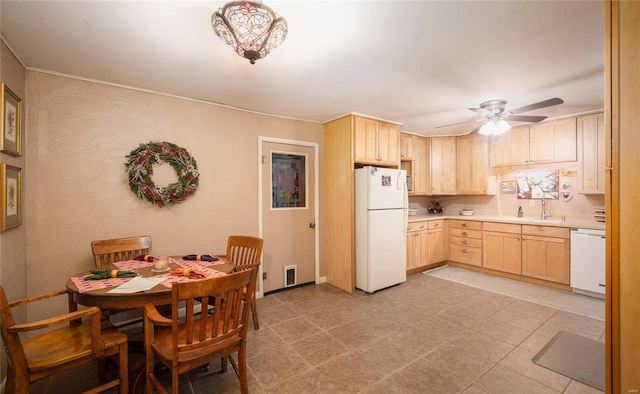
column 466, row 212
column 413, row 211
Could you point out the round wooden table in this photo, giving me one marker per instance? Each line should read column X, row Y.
column 159, row 295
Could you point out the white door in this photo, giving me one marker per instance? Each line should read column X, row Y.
column 288, row 195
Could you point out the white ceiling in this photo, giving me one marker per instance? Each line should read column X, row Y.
column 420, row 63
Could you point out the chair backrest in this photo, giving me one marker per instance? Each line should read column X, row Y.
column 212, row 330
column 11, row 341
column 109, row 251
column 244, row 250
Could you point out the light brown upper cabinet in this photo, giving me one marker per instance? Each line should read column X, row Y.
column 406, row 149
column 376, row 143
column 552, row 142
column 472, row 164
column 443, row 165
column 591, row 154
column 421, row 177
column 548, row 142
column 511, row 148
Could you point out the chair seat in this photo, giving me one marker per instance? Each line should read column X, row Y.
column 226, row 344
column 67, row 344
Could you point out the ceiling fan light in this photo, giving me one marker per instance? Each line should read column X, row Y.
column 501, row 127
column 252, row 29
column 488, row 128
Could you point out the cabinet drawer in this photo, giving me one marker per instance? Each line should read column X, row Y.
column 472, row 225
column 463, row 232
column 466, row 242
column 546, row 231
column 502, row 227
column 466, row 255
column 417, row 226
column 435, row 224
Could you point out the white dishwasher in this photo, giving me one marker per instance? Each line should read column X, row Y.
column 588, row 261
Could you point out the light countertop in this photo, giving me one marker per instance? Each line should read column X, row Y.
column 591, row 224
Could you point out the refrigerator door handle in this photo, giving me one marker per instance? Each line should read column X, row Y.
column 406, row 210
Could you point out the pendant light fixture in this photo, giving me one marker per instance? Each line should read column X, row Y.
column 252, row 29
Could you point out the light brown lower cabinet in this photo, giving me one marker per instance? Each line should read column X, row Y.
column 546, row 253
column 465, row 242
column 417, row 247
column 425, row 243
column 436, row 242
column 502, row 247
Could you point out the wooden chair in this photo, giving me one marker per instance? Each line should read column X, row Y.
column 201, row 336
column 75, row 342
column 109, row 251
column 245, row 252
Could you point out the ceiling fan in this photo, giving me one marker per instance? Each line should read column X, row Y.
column 494, row 118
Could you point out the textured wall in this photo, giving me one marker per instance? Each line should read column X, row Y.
column 13, row 241
column 79, row 134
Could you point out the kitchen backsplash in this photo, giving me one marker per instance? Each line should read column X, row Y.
column 504, row 202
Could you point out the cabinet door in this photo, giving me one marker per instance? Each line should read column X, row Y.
column 472, row 164
column 554, row 141
column 388, row 144
column 421, row 164
column 436, row 246
column 365, row 140
column 591, row 153
column 546, row 258
column 406, row 150
column 443, row 165
column 412, row 251
column 417, row 249
column 511, row 148
column 502, row 252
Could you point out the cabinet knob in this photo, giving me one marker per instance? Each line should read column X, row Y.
column 422, row 226
column 465, row 224
column 435, row 225
column 465, row 242
column 465, row 250
column 465, row 233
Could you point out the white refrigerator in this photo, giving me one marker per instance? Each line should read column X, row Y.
column 381, row 204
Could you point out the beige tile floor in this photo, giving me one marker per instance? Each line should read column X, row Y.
column 428, row 335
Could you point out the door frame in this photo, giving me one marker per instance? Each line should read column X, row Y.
column 316, row 208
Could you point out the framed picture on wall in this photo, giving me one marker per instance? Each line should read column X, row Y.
column 10, row 121
column 11, row 189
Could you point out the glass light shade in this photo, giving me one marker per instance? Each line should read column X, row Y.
column 501, row 127
column 488, row 128
column 251, row 29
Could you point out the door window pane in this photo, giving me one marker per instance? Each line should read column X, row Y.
column 288, row 180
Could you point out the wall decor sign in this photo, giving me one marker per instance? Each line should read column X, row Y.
column 536, row 184
column 508, row 187
column 10, row 121
column 11, row 187
column 140, row 169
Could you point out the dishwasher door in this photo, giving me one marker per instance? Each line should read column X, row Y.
column 588, row 261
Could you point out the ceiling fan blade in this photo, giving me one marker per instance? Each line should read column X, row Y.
column 459, row 123
column 525, row 118
column 541, row 104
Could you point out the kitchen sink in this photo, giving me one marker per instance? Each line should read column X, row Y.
column 548, row 220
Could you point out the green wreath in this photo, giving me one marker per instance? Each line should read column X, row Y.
column 140, row 169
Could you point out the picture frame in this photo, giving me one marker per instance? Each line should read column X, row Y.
column 10, row 121
column 508, row 187
column 11, row 188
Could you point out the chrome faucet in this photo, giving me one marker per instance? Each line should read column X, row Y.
column 543, row 214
